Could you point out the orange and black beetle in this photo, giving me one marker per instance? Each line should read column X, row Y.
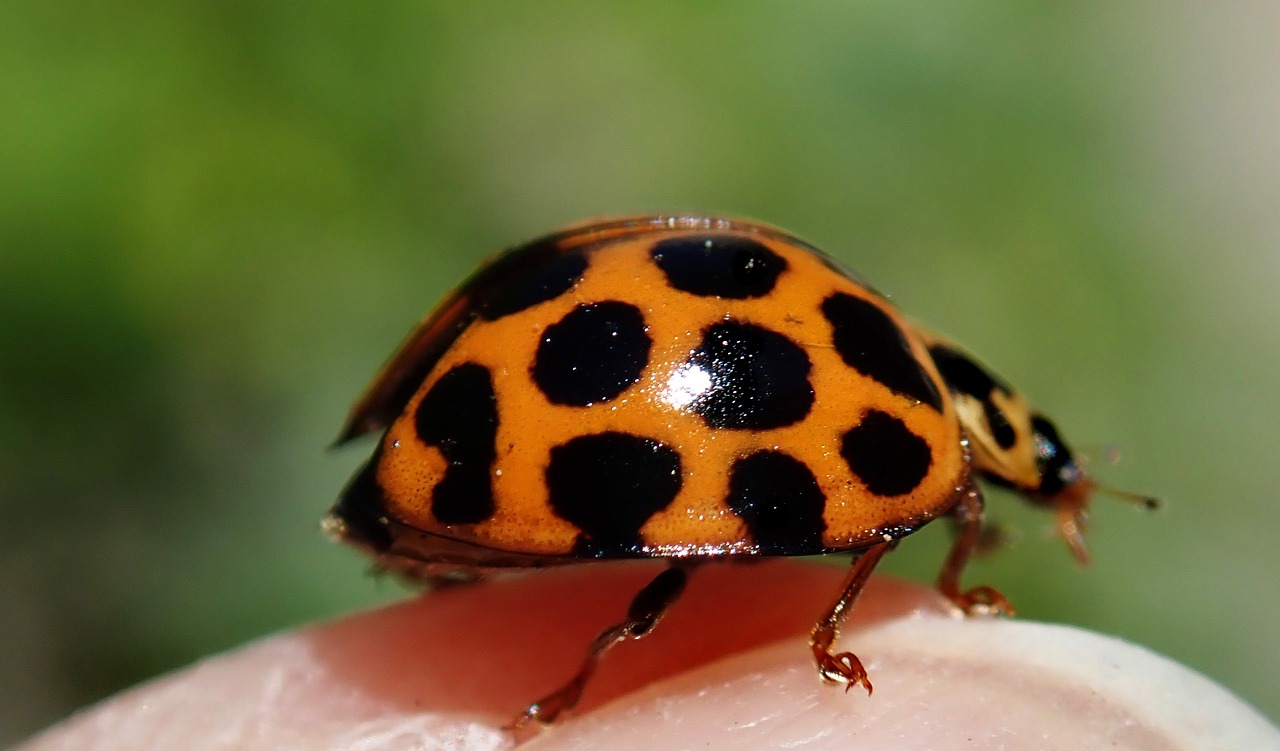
column 694, row 389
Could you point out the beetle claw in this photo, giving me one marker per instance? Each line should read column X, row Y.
column 845, row 668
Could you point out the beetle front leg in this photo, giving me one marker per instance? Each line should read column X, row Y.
column 646, row 609
column 969, row 513
column 845, row 667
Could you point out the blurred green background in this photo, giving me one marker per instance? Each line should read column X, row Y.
column 217, row 218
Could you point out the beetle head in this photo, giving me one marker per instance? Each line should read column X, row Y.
column 1067, row 486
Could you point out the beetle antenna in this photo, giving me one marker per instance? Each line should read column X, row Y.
column 1151, row 503
column 1110, row 453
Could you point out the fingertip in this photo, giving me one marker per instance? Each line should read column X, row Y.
column 730, row 665
column 509, row 641
column 940, row 684
column 464, row 662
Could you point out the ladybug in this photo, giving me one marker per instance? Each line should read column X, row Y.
column 694, row 389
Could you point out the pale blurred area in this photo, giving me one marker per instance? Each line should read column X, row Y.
column 217, row 218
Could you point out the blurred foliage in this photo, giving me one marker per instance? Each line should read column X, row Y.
column 216, row 218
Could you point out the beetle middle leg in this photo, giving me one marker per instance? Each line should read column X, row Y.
column 969, row 514
column 845, row 667
column 646, row 609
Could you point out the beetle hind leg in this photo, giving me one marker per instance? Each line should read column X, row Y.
column 844, row 667
column 647, row 608
column 969, row 514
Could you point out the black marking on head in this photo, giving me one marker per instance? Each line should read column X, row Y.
column 759, row 379
column 362, row 507
column 779, row 499
column 593, row 354
column 1054, row 460
column 884, row 453
column 545, row 281
column 719, row 265
column 965, row 376
column 459, row 416
column 608, row 485
column 871, row 343
column 998, row 423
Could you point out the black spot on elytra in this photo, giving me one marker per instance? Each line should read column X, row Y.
column 459, row 416
column 965, row 376
column 884, row 453
column 362, row 506
column 593, row 354
column 540, row 283
column 719, row 265
column 758, row 379
column 779, row 499
column 871, row 343
column 608, row 485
